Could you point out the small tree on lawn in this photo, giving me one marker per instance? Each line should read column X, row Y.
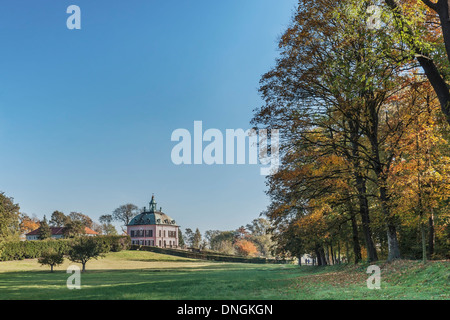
column 86, row 248
column 51, row 258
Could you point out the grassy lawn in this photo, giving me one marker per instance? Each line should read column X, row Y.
column 148, row 275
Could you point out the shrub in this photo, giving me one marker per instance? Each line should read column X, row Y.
column 19, row 250
column 118, row 243
column 245, row 248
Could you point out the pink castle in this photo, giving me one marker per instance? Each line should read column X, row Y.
column 153, row 228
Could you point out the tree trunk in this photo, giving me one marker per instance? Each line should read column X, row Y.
column 362, row 196
column 431, row 235
column 347, row 252
column 319, row 260
column 365, row 219
column 338, row 258
column 84, row 266
column 393, row 245
column 424, row 243
column 333, row 261
column 356, row 245
column 381, row 170
column 322, row 257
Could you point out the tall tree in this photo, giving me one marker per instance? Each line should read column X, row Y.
column 261, row 235
column 58, row 219
column 107, row 227
column 196, row 239
column 326, row 75
column 82, row 218
column 189, row 237
column 180, row 239
column 44, row 230
column 9, row 218
column 74, row 228
column 125, row 213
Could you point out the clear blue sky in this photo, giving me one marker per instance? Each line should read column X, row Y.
column 86, row 116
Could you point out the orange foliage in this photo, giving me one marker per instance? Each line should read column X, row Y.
column 28, row 225
column 245, row 247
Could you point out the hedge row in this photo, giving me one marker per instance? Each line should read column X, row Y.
column 19, row 250
column 205, row 255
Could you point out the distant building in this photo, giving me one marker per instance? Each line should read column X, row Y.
column 153, row 228
column 58, row 233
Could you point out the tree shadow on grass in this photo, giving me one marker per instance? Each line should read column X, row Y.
column 209, row 282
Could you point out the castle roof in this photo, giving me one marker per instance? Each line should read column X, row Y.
column 152, row 217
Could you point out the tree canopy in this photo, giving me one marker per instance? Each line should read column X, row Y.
column 349, row 100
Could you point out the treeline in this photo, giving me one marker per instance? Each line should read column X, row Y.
column 74, row 224
column 14, row 223
column 253, row 240
column 365, row 168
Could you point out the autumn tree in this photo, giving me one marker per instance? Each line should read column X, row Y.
column 9, row 218
column 329, row 72
column 260, row 233
column 424, row 26
column 28, row 224
column 245, row 247
column 421, row 171
column 339, row 96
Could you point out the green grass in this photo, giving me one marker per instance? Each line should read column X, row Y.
column 148, row 275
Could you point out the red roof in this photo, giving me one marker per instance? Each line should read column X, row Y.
column 59, row 231
column 89, row 231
